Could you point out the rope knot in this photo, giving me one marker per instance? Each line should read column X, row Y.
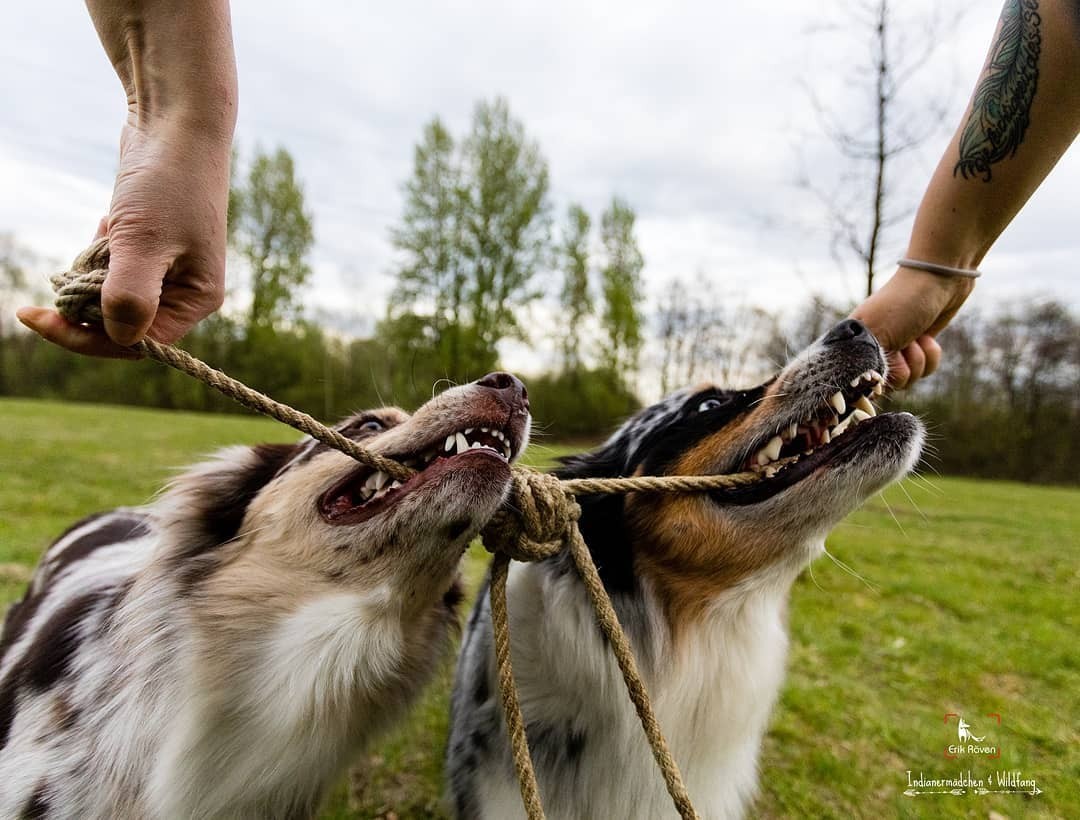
column 78, row 291
column 535, row 520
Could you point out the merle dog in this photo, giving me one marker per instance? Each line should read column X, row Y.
column 224, row 651
column 700, row 583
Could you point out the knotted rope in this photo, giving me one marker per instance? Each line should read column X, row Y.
column 78, row 299
column 538, row 520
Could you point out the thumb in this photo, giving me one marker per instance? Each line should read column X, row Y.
column 132, row 290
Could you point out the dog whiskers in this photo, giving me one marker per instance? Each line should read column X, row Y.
column 810, row 566
column 903, row 489
column 435, row 386
column 899, row 526
column 851, row 572
column 768, row 396
column 928, row 485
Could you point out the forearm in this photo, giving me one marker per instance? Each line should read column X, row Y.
column 175, row 60
column 1024, row 114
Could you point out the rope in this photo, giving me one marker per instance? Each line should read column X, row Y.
column 538, row 520
column 78, row 299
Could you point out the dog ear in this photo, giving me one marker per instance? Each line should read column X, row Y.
column 229, row 499
column 606, row 461
column 204, row 507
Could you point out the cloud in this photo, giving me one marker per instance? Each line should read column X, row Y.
column 692, row 111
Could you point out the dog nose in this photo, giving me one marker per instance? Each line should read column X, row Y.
column 509, row 385
column 849, row 330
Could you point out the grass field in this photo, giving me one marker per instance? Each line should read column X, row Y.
column 967, row 603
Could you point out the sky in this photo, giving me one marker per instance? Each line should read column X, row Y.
column 699, row 114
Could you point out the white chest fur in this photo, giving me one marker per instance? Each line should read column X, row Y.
column 713, row 696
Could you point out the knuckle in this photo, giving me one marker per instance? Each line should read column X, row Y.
column 215, row 296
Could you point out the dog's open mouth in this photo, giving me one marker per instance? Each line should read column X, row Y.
column 841, row 411
column 366, row 492
column 804, row 444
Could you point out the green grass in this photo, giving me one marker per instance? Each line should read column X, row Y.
column 969, row 604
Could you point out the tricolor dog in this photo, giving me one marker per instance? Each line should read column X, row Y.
column 700, row 583
column 225, row 651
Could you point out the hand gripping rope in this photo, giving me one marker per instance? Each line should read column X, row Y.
column 538, row 520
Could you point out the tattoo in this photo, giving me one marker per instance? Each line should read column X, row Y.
column 1001, row 109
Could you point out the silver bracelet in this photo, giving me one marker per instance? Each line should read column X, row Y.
column 940, row 270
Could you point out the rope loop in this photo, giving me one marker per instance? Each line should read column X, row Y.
column 78, row 291
column 535, row 520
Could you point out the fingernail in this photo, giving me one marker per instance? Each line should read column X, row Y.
column 121, row 332
column 26, row 315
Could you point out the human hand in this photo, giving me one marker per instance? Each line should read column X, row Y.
column 166, row 230
column 906, row 314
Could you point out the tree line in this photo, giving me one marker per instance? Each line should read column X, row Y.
column 483, row 260
column 1005, row 402
column 477, row 249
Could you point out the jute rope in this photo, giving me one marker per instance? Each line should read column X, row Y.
column 538, row 520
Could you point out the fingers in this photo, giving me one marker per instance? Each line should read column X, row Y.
column 899, row 372
column 932, row 351
column 917, row 360
column 77, row 338
column 191, row 293
column 132, row 290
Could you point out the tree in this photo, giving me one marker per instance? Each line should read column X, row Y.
column 575, row 299
column 13, row 279
column 475, row 230
column 705, row 334
column 864, row 201
column 272, row 231
column 16, row 288
column 622, row 290
column 505, row 226
column 673, row 319
column 432, row 273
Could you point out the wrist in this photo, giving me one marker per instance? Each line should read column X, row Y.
column 953, row 251
column 935, row 288
column 175, row 61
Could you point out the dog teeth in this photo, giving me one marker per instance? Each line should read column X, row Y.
column 859, row 415
column 839, row 429
column 772, row 449
column 462, row 443
column 825, row 437
column 376, row 481
column 450, row 443
column 838, row 403
column 866, row 406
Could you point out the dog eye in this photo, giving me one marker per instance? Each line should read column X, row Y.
column 711, row 404
column 371, row 427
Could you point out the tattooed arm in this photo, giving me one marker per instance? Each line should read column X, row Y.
column 1023, row 115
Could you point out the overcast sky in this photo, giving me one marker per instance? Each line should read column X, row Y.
column 697, row 113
